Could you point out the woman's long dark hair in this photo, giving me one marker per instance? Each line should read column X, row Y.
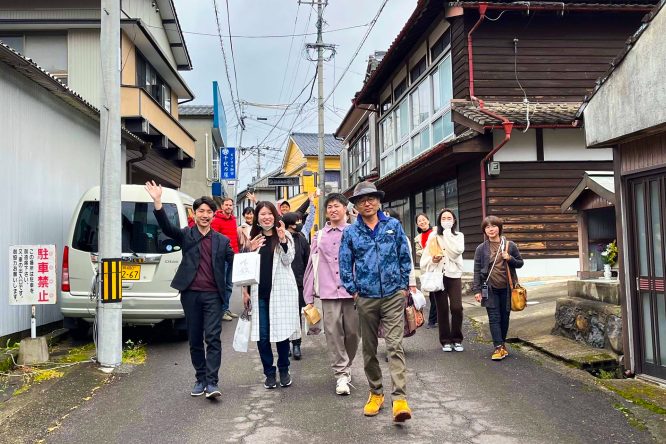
column 416, row 221
column 440, row 230
column 256, row 229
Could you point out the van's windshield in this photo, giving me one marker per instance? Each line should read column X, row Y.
column 141, row 233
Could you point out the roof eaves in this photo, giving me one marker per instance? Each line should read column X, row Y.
column 390, row 52
column 46, row 80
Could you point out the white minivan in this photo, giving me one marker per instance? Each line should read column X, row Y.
column 150, row 259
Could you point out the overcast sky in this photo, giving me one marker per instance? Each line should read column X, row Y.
column 274, row 70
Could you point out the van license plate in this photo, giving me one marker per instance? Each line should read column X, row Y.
column 131, row 272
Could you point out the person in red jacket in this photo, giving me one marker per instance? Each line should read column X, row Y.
column 224, row 222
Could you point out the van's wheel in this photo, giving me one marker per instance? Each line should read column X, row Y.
column 79, row 329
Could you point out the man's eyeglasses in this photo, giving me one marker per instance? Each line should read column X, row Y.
column 367, row 199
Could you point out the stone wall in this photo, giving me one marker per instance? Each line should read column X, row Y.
column 595, row 323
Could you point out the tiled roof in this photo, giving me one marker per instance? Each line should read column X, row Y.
column 552, row 113
column 631, row 41
column 309, row 144
column 593, row 4
column 195, row 110
column 46, row 80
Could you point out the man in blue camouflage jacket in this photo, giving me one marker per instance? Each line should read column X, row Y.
column 374, row 268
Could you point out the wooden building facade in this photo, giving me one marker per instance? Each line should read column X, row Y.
column 531, row 67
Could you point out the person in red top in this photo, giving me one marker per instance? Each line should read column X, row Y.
column 224, row 222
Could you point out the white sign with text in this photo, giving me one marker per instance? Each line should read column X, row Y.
column 32, row 275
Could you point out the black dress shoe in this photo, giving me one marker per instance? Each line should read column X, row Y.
column 297, row 352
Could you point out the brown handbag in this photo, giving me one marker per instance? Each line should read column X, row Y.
column 518, row 292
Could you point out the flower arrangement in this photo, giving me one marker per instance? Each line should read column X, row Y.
column 609, row 255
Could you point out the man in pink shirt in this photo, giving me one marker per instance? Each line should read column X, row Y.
column 340, row 317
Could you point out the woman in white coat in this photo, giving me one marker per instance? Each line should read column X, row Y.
column 443, row 253
column 274, row 301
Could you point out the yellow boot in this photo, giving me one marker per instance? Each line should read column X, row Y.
column 401, row 410
column 374, row 404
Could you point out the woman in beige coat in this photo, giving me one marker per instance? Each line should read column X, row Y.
column 448, row 245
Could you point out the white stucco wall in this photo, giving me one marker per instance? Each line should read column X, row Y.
column 569, row 145
column 520, row 148
column 634, row 96
column 50, row 156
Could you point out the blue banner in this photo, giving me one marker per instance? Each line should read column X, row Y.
column 227, row 163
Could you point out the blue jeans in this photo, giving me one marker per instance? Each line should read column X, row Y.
column 264, row 343
column 499, row 310
column 229, row 286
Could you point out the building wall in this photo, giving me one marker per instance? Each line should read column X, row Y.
column 144, row 10
column 84, row 64
column 634, row 98
column 44, row 173
column 194, row 180
column 528, row 195
column 558, row 145
column 642, row 154
column 559, row 57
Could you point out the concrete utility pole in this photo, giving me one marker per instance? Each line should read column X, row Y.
column 109, row 316
column 258, row 162
column 238, row 152
column 320, row 46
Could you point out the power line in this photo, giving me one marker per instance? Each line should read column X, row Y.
column 291, row 44
column 267, row 36
column 311, row 84
column 358, row 49
column 231, row 45
column 226, row 65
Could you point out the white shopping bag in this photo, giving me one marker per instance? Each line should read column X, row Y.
column 242, row 335
column 419, row 299
column 432, row 281
column 246, row 269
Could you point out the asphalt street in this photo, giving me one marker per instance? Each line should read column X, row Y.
column 455, row 397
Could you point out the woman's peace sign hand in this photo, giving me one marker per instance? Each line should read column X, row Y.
column 281, row 232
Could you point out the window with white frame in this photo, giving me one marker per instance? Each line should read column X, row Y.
column 359, row 158
column 422, row 118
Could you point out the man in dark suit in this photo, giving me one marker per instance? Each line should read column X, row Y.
column 200, row 278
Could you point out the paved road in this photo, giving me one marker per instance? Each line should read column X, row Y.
column 455, row 397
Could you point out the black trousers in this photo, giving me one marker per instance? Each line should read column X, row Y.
column 203, row 314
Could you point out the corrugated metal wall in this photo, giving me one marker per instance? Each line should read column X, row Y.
column 84, row 63
column 50, row 156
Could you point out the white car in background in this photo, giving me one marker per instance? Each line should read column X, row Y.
column 150, row 260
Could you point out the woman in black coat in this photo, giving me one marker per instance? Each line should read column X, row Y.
column 493, row 260
column 294, row 223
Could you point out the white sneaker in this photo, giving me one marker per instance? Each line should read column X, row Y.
column 458, row 347
column 447, row 348
column 342, row 385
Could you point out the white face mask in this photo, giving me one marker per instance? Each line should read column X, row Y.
column 447, row 225
column 266, row 227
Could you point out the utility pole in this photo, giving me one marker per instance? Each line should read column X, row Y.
column 109, row 315
column 320, row 46
column 238, row 151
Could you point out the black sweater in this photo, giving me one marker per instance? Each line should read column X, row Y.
column 302, row 250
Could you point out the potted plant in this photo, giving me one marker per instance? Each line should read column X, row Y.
column 609, row 258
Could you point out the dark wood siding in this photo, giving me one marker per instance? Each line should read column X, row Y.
column 559, row 57
column 459, row 63
column 469, row 205
column 155, row 167
column 528, row 195
column 647, row 152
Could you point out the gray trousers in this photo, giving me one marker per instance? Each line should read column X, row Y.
column 342, row 333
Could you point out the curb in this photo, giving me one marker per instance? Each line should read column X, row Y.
column 600, row 364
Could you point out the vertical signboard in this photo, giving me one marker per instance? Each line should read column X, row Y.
column 227, row 163
column 32, row 274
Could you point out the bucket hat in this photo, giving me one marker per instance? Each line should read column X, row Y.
column 366, row 188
